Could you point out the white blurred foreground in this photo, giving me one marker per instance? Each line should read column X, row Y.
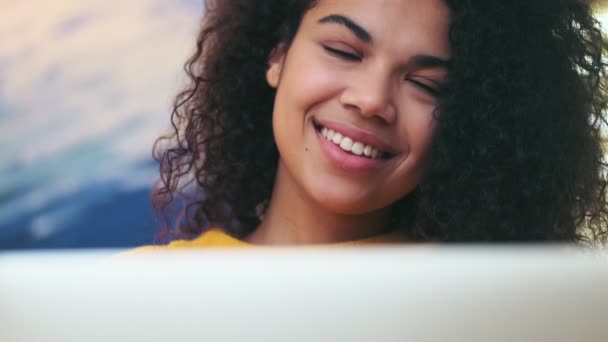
column 428, row 293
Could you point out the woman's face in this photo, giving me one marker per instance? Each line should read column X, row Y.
column 355, row 96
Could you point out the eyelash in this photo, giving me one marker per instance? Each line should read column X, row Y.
column 355, row 58
column 426, row 88
column 342, row 54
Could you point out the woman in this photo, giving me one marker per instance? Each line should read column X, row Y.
column 312, row 122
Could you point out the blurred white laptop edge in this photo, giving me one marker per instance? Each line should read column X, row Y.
column 484, row 293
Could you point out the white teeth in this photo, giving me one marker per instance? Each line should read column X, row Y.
column 337, row 138
column 348, row 145
column 357, row 148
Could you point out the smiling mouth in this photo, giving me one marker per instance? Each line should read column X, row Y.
column 350, row 145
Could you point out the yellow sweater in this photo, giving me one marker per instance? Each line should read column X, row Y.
column 218, row 238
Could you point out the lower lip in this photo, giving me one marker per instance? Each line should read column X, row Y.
column 345, row 160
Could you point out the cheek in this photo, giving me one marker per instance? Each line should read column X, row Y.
column 307, row 80
column 418, row 127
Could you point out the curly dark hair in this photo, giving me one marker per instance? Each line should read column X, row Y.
column 517, row 154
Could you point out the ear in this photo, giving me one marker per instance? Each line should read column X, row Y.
column 275, row 65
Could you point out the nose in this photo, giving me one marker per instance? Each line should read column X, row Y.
column 369, row 93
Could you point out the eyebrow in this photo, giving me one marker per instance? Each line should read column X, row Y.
column 427, row 61
column 350, row 24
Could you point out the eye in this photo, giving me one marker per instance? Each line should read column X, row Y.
column 431, row 89
column 342, row 54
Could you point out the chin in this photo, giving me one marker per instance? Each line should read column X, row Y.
column 347, row 204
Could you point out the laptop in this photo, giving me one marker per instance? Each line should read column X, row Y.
column 425, row 293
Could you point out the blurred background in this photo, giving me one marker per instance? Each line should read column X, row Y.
column 85, row 89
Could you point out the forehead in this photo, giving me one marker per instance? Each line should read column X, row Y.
column 419, row 24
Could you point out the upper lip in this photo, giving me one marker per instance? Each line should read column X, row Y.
column 359, row 135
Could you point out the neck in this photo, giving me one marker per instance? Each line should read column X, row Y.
column 294, row 218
